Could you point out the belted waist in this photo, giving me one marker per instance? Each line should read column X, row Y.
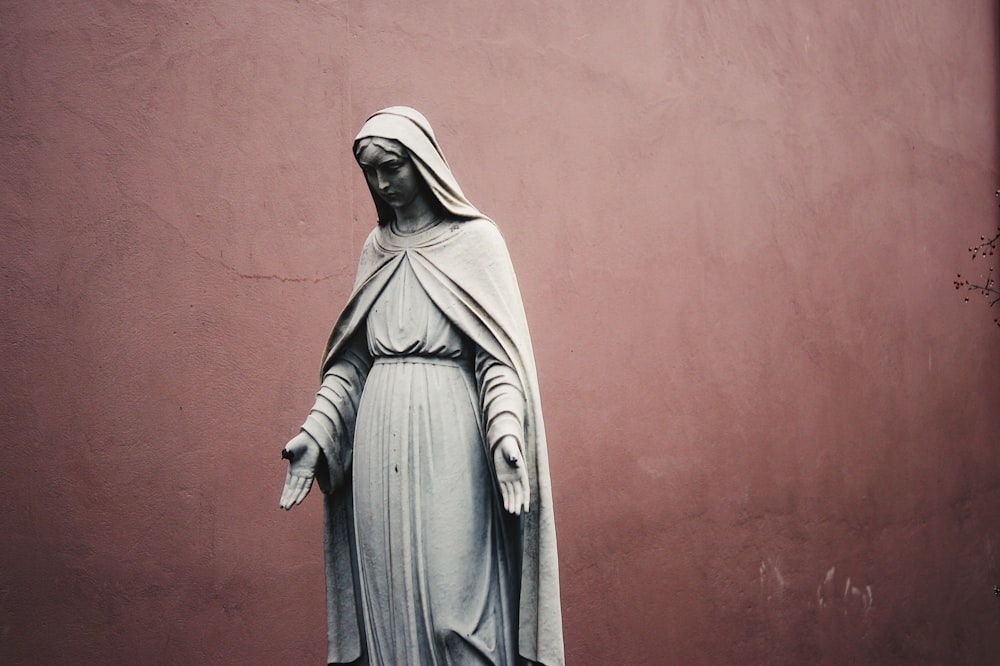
column 459, row 362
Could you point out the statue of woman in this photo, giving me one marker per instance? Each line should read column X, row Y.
column 426, row 436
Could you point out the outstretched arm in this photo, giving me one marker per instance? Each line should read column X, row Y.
column 322, row 450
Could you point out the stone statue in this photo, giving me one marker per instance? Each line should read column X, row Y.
column 426, row 436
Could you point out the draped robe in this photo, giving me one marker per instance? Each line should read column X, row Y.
column 465, row 272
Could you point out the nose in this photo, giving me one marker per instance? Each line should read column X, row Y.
column 381, row 180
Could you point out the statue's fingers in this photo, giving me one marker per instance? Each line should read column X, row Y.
column 283, row 502
column 514, row 505
column 508, row 495
column 300, row 483
column 286, row 492
column 304, row 490
column 293, row 498
column 294, row 485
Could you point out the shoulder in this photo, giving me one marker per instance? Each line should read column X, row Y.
column 378, row 242
column 481, row 226
column 374, row 255
column 478, row 244
column 371, row 245
column 373, row 236
column 481, row 231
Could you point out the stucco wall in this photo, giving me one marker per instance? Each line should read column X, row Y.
column 772, row 421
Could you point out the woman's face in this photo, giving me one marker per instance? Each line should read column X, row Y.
column 390, row 174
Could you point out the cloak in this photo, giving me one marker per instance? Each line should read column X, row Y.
column 464, row 267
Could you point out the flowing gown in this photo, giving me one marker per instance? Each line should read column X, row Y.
column 435, row 552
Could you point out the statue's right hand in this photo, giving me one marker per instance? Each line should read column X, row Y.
column 302, row 453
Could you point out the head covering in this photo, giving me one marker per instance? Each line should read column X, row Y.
column 410, row 128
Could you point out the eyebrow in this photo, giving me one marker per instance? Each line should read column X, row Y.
column 389, row 160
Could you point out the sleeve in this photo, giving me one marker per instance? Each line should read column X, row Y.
column 501, row 400
column 331, row 420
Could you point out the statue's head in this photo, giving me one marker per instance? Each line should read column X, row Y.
column 401, row 137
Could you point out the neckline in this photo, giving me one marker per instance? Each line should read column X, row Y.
column 392, row 237
column 410, row 234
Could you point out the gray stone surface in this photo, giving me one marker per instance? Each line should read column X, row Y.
column 426, row 434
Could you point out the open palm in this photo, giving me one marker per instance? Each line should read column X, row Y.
column 512, row 475
column 302, row 453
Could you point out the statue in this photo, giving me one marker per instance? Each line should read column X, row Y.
column 426, row 436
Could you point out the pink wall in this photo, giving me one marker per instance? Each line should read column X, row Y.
column 735, row 227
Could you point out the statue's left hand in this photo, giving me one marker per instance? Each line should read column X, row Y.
column 302, row 453
column 512, row 475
